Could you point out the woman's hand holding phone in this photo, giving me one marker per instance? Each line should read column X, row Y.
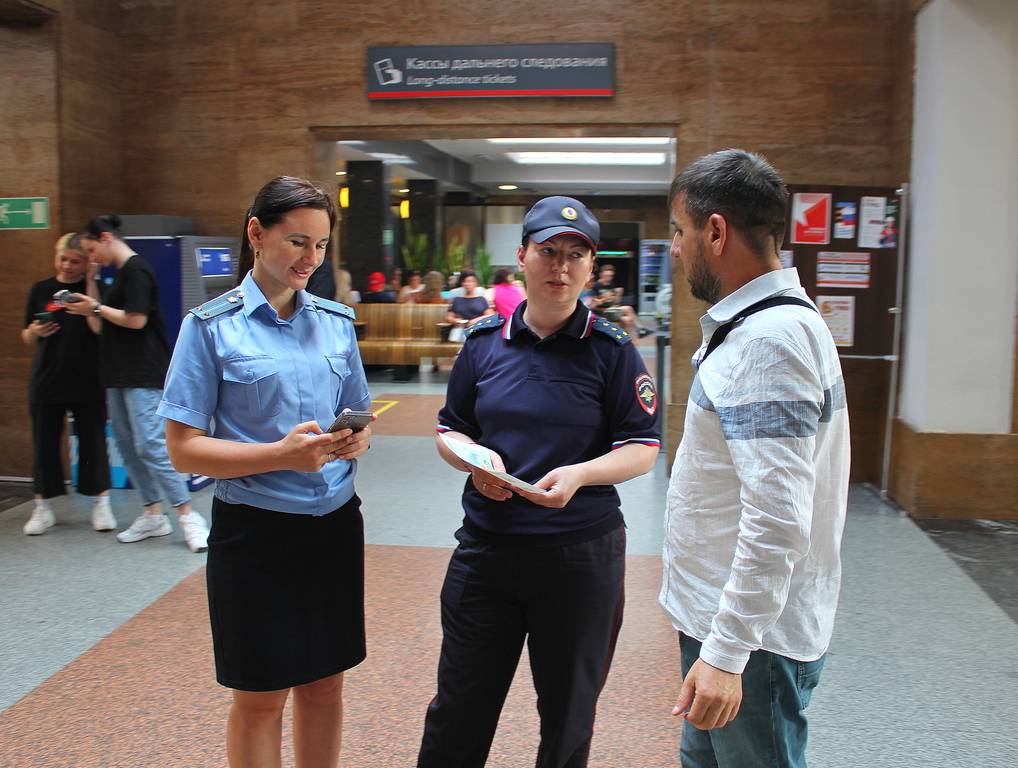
column 357, row 441
column 43, row 328
column 352, row 420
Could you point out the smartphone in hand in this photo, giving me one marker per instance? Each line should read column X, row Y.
column 355, row 420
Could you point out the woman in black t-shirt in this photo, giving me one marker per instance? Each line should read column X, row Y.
column 65, row 377
column 133, row 358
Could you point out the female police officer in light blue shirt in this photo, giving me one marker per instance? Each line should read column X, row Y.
column 257, row 376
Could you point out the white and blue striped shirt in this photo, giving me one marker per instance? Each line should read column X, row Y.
column 757, row 498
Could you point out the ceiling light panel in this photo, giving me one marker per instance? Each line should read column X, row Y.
column 588, row 158
column 634, row 141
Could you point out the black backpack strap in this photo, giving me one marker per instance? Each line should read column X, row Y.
column 721, row 333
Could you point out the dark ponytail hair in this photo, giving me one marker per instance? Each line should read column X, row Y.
column 273, row 201
column 95, row 228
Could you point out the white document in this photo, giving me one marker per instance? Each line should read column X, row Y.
column 478, row 456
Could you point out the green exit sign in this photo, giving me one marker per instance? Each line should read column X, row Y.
column 24, row 213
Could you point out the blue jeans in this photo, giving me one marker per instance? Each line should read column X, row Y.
column 770, row 729
column 141, row 439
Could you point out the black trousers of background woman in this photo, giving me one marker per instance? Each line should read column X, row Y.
column 93, row 461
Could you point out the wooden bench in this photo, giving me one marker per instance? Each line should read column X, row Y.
column 402, row 335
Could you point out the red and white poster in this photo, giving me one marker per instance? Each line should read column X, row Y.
column 811, row 218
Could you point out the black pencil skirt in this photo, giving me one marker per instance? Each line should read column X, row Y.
column 286, row 595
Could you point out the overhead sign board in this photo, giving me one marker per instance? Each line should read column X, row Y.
column 480, row 71
column 24, row 213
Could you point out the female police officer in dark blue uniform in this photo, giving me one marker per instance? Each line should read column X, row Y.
column 561, row 399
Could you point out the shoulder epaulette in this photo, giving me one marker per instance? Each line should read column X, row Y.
column 224, row 303
column 487, row 324
column 612, row 330
column 332, row 306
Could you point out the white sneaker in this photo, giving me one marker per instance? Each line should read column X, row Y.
column 196, row 531
column 102, row 517
column 42, row 520
column 144, row 526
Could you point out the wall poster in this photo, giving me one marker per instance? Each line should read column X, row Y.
column 844, row 221
column 843, row 270
column 878, row 223
column 839, row 314
column 811, row 218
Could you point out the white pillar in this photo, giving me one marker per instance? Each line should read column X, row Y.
column 959, row 344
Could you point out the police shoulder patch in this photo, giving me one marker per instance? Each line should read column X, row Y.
column 489, row 323
column 332, row 306
column 646, row 393
column 612, row 330
column 220, row 305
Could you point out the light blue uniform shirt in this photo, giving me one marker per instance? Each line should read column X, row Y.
column 245, row 375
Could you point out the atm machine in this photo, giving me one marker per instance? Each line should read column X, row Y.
column 190, row 270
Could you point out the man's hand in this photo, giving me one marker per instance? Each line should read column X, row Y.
column 715, row 696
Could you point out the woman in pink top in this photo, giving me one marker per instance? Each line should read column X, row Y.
column 508, row 295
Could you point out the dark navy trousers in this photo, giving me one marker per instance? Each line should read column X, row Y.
column 566, row 603
column 47, row 457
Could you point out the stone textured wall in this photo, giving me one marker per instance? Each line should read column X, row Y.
column 186, row 107
column 29, row 167
column 210, row 116
column 60, row 97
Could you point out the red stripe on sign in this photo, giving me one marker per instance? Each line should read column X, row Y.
column 461, row 94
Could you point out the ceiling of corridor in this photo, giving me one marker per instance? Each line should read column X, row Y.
column 572, row 166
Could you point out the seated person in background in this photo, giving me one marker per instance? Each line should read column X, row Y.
column 408, row 293
column 345, row 294
column 432, row 291
column 587, row 295
column 459, row 290
column 396, row 281
column 375, row 293
column 450, row 284
column 607, row 295
column 468, row 308
column 504, row 294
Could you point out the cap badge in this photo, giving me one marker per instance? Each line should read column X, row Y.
column 569, row 213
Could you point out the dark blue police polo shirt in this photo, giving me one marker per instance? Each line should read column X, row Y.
column 542, row 404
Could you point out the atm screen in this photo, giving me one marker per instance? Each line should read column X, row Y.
column 214, row 262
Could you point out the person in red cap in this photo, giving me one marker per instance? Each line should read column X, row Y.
column 375, row 294
column 560, row 399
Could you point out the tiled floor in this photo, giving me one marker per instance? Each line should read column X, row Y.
column 987, row 550
column 107, row 660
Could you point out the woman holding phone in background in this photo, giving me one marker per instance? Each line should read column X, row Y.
column 258, row 374
column 65, row 377
column 133, row 355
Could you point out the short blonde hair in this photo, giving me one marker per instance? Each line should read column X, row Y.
column 69, row 242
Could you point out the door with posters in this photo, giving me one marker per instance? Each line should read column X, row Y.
column 844, row 243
